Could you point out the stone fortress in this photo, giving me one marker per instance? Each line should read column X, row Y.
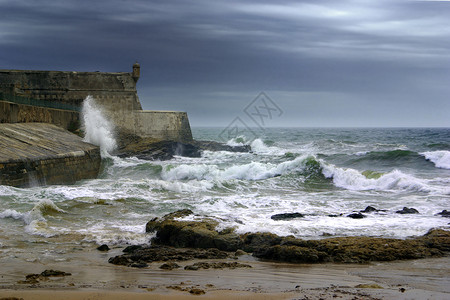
column 37, row 106
column 56, row 97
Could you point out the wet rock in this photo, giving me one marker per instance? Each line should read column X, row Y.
column 156, row 253
column 407, row 210
column 368, row 286
column 153, row 149
column 132, row 248
column 139, row 265
column 444, row 213
column 169, row 266
column 216, row 265
column 335, row 216
column 103, row 247
column 192, row 234
column 45, row 275
column 286, row 216
column 289, row 253
column 254, row 241
column 356, row 216
column 369, row 209
column 202, row 232
column 54, row 273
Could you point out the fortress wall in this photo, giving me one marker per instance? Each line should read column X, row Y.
column 114, row 92
column 20, row 113
column 164, row 125
column 71, row 87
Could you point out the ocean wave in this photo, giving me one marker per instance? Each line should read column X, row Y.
column 250, row 171
column 352, row 179
column 441, row 158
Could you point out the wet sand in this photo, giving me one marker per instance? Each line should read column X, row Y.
column 93, row 278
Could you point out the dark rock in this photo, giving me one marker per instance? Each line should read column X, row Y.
column 407, row 210
column 139, row 265
column 198, row 234
column 253, row 241
column 290, row 254
column 169, row 266
column 369, row 209
column 54, row 273
column 335, row 216
column 163, row 253
column 196, row 291
column 356, row 216
column 119, row 260
column 131, row 248
column 444, row 213
column 216, row 265
column 103, row 247
column 191, row 268
column 286, row 216
column 153, row 149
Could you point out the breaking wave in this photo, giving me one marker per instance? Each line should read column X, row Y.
column 98, row 130
column 441, row 159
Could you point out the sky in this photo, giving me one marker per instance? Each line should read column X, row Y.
column 346, row 63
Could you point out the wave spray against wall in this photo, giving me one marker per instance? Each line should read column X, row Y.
column 98, row 130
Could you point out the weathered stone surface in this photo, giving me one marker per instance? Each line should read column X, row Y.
column 40, row 154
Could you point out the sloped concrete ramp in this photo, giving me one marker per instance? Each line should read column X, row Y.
column 42, row 154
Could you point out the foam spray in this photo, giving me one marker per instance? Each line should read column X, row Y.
column 98, row 130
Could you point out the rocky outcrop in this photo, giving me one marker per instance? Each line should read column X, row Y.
column 154, row 149
column 202, row 233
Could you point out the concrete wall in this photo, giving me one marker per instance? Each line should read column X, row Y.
column 19, row 113
column 39, row 154
column 164, row 125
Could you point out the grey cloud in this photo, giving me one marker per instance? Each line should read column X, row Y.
column 193, row 53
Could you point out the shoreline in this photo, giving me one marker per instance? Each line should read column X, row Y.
column 94, row 278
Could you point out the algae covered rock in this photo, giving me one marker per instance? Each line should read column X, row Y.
column 194, row 234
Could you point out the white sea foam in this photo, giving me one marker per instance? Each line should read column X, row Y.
column 441, row 159
column 352, row 179
column 237, row 141
column 250, row 171
column 98, row 129
column 11, row 213
column 258, row 146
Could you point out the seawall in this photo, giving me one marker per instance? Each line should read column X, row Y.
column 39, row 154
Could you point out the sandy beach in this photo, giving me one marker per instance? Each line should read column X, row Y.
column 93, row 278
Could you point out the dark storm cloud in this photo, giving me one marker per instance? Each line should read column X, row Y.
column 343, row 63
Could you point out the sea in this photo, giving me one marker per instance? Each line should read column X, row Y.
column 323, row 173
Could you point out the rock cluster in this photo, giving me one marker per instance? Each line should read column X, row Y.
column 183, row 236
